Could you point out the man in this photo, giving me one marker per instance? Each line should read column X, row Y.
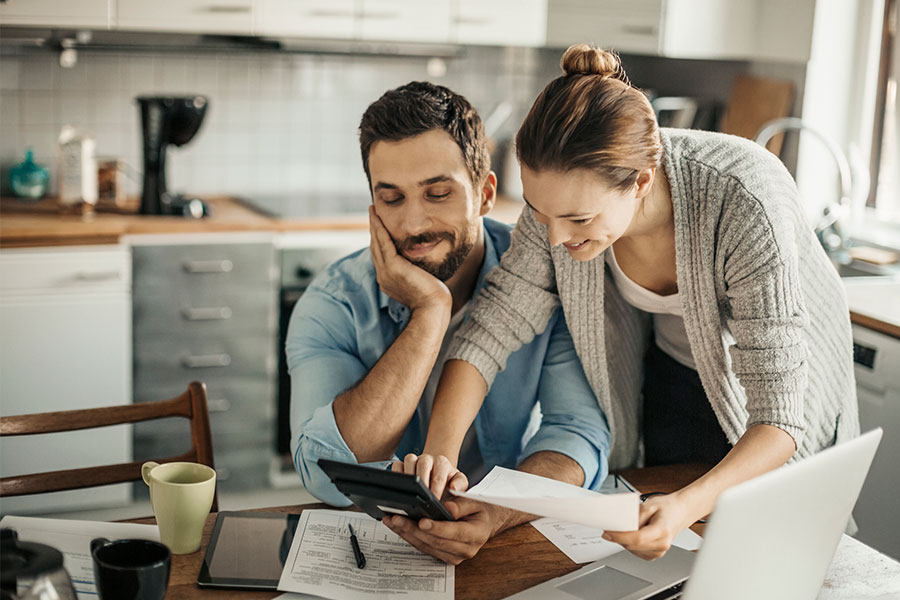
column 366, row 341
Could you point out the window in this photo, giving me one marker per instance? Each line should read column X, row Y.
column 885, row 162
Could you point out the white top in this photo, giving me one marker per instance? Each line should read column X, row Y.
column 668, row 324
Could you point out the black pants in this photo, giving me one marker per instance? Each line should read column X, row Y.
column 679, row 423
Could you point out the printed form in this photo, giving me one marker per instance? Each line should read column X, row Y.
column 321, row 561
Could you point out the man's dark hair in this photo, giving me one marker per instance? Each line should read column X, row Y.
column 418, row 107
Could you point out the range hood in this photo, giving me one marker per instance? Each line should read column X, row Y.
column 123, row 41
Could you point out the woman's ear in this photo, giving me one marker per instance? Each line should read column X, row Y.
column 644, row 182
column 488, row 193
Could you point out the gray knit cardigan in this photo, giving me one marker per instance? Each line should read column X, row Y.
column 765, row 312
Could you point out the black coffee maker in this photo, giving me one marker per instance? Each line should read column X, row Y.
column 168, row 120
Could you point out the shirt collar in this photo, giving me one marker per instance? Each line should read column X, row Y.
column 400, row 312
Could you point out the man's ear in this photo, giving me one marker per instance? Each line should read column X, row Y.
column 488, row 193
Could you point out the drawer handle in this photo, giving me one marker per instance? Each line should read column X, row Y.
column 218, row 405
column 209, row 266
column 98, row 276
column 204, row 361
column 209, row 313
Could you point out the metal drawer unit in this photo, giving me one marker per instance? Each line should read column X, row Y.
column 208, row 312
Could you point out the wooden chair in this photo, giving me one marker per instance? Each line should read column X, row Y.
column 190, row 405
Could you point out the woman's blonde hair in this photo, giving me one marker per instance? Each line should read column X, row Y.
column 592, row 118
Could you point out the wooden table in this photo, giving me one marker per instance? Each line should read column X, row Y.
column 488, row 576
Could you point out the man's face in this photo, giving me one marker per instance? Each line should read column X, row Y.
column 423, row 194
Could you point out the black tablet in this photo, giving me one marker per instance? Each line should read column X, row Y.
column 247, row 550
column 381, row 493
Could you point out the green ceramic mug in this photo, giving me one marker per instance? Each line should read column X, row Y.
column 181, row 494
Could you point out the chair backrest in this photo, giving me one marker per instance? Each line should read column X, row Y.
column 190, row 405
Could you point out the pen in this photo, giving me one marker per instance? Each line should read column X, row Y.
column 360, row 559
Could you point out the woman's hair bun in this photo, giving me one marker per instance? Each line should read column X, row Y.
column 585, row 59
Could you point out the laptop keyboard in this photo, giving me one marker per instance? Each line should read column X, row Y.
column 669, row 593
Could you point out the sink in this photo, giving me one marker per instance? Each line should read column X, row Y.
column 862, row 269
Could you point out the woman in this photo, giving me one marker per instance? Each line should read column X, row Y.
column 707, row 317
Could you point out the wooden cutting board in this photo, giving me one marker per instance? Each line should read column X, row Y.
column 755, row 101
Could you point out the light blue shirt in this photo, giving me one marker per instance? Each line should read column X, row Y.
column 342, row 325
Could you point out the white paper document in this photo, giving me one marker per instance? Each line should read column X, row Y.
column 321, row 562
column 583, row 544
column 550, row 498
column 73, row 539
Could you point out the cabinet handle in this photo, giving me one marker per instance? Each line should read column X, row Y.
column 209, row 266
column 218, row 405
column 324, row 13
column 474, row 21
column 205, row 361
column 379, row 15
column 225, row 9
column 639, row 29
column 98, row 276
column 210, row 313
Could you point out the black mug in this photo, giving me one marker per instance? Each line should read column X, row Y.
column 131, row 569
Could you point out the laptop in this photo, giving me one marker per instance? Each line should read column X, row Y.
column 770, row 537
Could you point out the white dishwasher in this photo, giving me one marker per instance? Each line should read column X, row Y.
column 65, row 343
column 877, row 365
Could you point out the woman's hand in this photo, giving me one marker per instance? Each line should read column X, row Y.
column 437, row 472
column 661, row 518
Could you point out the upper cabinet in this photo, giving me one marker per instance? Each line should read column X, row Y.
column 405, row 20
column 71, row 13
column 330, row 19
column 367, row 20
column 500, row 22
column 711, row 29
column 191, row 16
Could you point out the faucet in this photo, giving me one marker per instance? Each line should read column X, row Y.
column 832, row 227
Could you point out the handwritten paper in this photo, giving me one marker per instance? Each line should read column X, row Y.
column 583, row 544
column 321, row 562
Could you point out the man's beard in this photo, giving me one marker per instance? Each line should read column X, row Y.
column 451, row 263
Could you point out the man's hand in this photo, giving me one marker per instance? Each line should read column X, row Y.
column 400, row 279
column 436, row 472
column 452, row 541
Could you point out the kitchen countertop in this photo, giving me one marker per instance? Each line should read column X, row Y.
column 40, row 223
column 875, row 303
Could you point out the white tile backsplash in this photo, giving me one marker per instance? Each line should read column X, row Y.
column 275, row 122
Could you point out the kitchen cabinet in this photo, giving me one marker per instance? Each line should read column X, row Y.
column 708, row 29
column 65, row 318
column 404, row 21
column 500, row 22
column 205, row 308
column 365, row 20
column 70, row 13
column 191, row 16
column 331, row 19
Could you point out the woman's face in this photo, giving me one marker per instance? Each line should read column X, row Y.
column 580, row 210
